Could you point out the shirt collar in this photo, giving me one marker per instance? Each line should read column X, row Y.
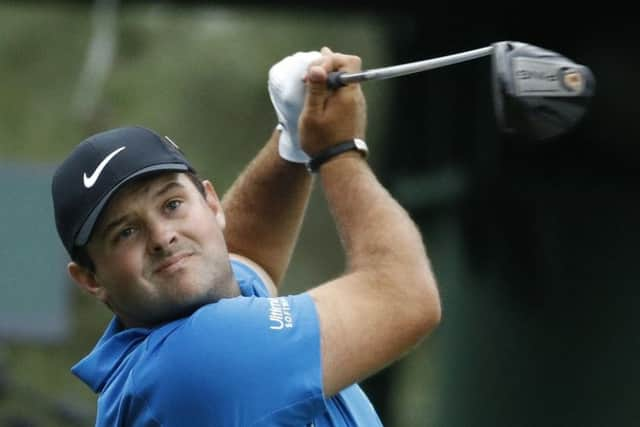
column 115, row 344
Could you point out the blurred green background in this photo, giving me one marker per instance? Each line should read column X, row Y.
column 534, row 246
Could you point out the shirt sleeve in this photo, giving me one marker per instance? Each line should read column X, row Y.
column 250, row 281
column 242, row 361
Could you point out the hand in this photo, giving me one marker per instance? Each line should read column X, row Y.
column 331, row 116
column 287, row 93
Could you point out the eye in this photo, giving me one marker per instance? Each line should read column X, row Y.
column 124, row 234
column 174, row 204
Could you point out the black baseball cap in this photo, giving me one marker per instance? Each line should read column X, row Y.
column 97, row 167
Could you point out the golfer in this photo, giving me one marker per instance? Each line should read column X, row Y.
column 201, row 335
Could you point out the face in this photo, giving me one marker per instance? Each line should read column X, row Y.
column 159, row 251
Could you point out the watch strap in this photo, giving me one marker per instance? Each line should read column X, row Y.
column 327, row 154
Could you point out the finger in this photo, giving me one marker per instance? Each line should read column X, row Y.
column 336, row 61
column 317, row 91
column 347, row 63
column 320, row 60
column 326, row 51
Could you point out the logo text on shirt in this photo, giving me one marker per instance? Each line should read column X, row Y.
column 280, row 313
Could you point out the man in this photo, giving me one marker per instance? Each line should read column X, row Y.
column 199, row 337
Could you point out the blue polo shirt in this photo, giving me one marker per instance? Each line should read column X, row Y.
column 245, row 361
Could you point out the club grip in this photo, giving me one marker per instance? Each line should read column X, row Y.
column 334, row 80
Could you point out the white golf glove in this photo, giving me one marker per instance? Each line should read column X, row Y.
column 287, row 90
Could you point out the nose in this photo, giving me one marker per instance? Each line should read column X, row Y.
column 161, row 237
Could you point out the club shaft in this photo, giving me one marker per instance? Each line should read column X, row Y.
column 410, row 68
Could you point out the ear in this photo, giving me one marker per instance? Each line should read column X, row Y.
column 214, row 203
column 86, row 280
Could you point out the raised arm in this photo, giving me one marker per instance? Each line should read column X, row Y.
column 264, row 209
column 387, row 301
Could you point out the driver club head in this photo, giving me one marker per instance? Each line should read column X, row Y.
column 538, row 94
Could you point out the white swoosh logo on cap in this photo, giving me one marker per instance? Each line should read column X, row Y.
column 89, row 181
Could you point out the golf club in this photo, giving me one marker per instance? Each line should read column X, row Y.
column 538, row 94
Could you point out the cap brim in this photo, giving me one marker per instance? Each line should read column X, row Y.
column 87, row 227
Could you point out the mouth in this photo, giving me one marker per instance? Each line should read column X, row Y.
column 172, row 264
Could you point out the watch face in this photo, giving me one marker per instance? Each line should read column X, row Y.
column 361, row 145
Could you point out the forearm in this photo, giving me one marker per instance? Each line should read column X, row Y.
column 264, row 209
column 378, row 235
column 388, row 300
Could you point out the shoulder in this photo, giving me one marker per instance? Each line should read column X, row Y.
column 234, row 334
column 228, row 356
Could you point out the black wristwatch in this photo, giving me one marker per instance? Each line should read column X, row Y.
column 329, row 153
